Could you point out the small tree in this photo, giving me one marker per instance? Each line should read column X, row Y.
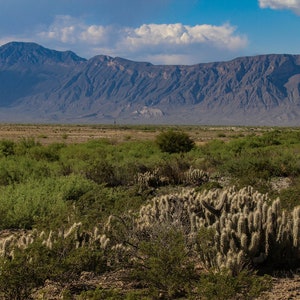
column 174, row 142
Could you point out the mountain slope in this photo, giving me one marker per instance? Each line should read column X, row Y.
column 27, row 70
column 44, row 85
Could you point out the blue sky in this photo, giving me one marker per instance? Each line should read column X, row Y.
column 157, row 31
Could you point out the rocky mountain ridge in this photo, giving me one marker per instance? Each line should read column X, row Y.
column 43, row 85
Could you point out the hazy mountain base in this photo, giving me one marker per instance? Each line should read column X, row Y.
column 188, row 115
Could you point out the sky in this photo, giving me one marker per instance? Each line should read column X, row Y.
column 157, row 31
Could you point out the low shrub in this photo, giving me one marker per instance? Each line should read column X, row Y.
column 162, row 263
column 224, row 286
column 7, row 148
column 46, row 202
column 174, row 142
column 21, row 275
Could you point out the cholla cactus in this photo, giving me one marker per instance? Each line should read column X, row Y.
column 50, row 240
column 247, row 229
column 195, row 176
column 154, row 179
column 296, row 227
column 5, row 245
column 20, row 239
column 74, row 229
column 150, row 179
column 74, row 234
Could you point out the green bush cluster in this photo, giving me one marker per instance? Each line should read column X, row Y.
column 256, row 159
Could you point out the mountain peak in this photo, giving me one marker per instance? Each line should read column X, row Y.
column 32, row 53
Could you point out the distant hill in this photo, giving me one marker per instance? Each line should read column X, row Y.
column 43, row 85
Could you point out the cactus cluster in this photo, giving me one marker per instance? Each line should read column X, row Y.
column 195, row 176
column 75, row 234
column 80, row 238
column 20, row 239
column 153, row 178
column 245, row 227
column 248, row 228
column 150, row 179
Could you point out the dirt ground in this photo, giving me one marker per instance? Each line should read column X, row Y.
column 47, row 134
column 282, row 289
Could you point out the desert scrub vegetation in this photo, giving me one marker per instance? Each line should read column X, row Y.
column 201, row 222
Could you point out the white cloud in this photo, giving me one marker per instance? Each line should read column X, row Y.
column 183, row 35
column 64, row 29
column 157, row 43
column 293, row 5
column 93, row 34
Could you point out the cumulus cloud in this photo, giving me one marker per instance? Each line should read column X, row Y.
column 157, row 43
column 293, row 5
column 64, row 29
column 179, row 34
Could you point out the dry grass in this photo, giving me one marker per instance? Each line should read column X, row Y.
column 47, row 134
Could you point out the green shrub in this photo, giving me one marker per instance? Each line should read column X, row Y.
column 65, row 262
column 289, row 196
column 103, row 172
column 48, row 153
column 20, row 169
column 19, row 276
column 7, row 148
column 163, row 263
column 101, row 294
column 174, row 142
column 47, row 201
column 223, row 286
column 98, row 203
column 173, row 169
column 25, row 145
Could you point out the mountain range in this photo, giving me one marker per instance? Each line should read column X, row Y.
column 39, row 85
